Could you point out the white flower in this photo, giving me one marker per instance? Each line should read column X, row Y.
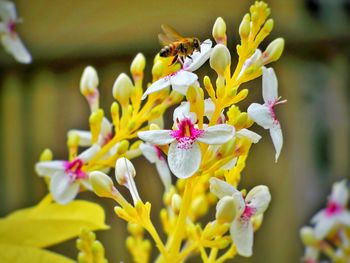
column 9, row 38
column 182, row 79
column 264, row 114
column 184, row 156
column 154, row 155
column 255, row 204
column 335, row 213
column 67, row 176
column 311, row 254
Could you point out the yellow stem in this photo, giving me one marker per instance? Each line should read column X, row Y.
column 159, row 243
column 230, row 253
column 213, row 254
column 181, row 220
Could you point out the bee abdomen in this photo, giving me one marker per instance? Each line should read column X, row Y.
column 166, row 51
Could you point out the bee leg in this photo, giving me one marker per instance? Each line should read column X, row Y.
column 189, row 57
column 174, row 60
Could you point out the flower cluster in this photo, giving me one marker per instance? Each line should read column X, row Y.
column 330, row 234
column 205, row 149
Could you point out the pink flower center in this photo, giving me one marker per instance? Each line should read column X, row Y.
column 271, row 105
column 186, row 134
column 248, row 212
column 11, row 27
column 74, row 169
column 333, row 208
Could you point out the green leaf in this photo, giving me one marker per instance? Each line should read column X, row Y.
column 50, row 223
column 18, row 254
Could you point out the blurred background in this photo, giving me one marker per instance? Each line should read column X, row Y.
column 40, row 102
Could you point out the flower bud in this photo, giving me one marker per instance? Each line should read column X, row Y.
column 115, row 114
column 273, row 51
column 225, row 210
column 220, row 58
column 88, row 81
column 46, row 155
column 101, row 183
column 176, row 203
column 219, row 31
column 135, row 229
column 307, row 236
column 122, row 89
column 138, row 65
column 244, row 27
column 157, row 70
column 255, row 59
column 268, row 26
column 123, row 170
column 95, row 121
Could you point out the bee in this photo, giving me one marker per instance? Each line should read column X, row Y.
column 176, row 45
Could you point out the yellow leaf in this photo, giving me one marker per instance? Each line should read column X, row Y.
column 49, row 223
column 22, row 254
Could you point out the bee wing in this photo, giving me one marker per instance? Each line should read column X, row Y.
column 171, row 33
column 164, row 40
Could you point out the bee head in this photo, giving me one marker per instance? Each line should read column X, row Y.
column 197, row 44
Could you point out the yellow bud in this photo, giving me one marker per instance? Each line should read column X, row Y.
column 220, row 58
column 88, row 81
column 123, row 169
column 176, row 203
column 257, row 221
column 101, row 183
column 46, row 155
column 73, row 139
column 82, row 258
column 122, row 89
column 241, row 120
column 115, row 113
column 244, row 27
column 98, row 249
column 219, row 31
column 223, row 243
column 123, row 147
column 157, row 70
column 135, row 229
column 273, row 51
column 138, row 65
column 95, row 121
column 225, row 210
column 307, row 236
column 268, row 26
column 200, row 205
column 131, row 125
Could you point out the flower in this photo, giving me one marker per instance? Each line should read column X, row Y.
column 67, row 176
column 264, row 114
column 335, row 213
column 154, row 155
column 9, row 38
column 183, row 78
column 184, row 156
column 255, row 204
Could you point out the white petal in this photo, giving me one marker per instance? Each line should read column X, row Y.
column 181, row 111
column 184, row 162
column 277, row 139
column 149, row 151
column 261, row 115
column 182, row 79
column 340, row 193
column 259, row 198
column 164, row 173
column 14, row 46
column 311, row 254
column 252, row 136
column 7, row 11
column 221, row 188
column 89, row 153
column 217, row 134
column 62, row 189
column 106, row 127
column 242, row 235
column 270, row 86
column 84, row 137
column 49, row 168
column 199, row 58
column 160, row 84
column 156, row 137
column 344, row 218
column 239, row 203
column 323, row 227
column 209, row 108
column 250, row 61
column 320, row 215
